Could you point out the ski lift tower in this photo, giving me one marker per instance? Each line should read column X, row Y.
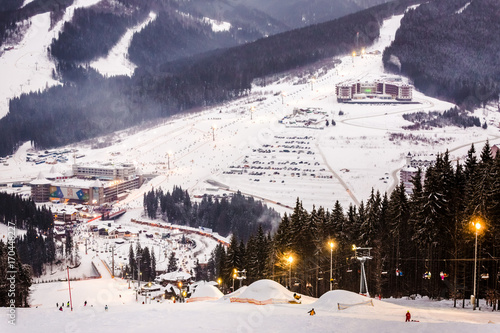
column 241, row 275
column 362, row 254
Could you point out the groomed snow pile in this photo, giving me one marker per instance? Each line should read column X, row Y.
column 264, row 292
column 337, row 300
column 205, row 293
column 235, row 293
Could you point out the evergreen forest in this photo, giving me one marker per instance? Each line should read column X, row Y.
column 236, row 214
column 450, row 50
column 421, row 243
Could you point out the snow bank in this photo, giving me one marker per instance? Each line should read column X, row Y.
column 264, row 292
column 337, row 300
column 235, row 293
column 205, row 293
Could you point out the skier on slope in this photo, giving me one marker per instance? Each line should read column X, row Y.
column 408, row 316
column 311, row 312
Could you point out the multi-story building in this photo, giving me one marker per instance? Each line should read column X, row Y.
column 369, row 91
column 92, row 184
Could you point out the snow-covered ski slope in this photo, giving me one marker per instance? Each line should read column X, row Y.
column 125, row 314
column 241, row 146
column 27, row 67
column 117, row 62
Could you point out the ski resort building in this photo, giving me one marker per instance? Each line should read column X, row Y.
column 91, row 184
column 374, row 91
column 413, row 163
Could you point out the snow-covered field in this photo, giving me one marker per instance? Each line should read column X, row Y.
column 125, row 314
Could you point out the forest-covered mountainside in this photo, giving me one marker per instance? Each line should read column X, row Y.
column 12, row 12
column 450, row 49
column 90, row 105
column 94, row 31
column 301, row 13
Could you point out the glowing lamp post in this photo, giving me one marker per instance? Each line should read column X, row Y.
column 332, row 244
column 168, row 156
column 290, row 260
column 213, row 132
column 477, row 227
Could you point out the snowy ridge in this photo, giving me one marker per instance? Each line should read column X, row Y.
column 116, row 62
column 27, row 66
column 460, row 11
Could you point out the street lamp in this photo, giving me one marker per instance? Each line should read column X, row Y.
column 168, row 155
column 283, row 94
column 138, row 259
column 252, row 109
column 312, row 83
column 290, row 260
column 213, row 132
column 234, row 276
column 332, row 244
column 477, row 226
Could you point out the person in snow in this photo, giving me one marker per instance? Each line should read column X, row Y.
column 60, row 308
column 67, row 305
column 85, row 303
column 311, row 312
column 106, row 307
column 408, row 316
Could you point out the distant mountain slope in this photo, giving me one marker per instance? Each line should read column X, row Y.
column 12, row 11
column 91, row 105
column 451, row 49
column 301, row 13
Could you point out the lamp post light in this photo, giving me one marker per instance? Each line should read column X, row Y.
column 283, row 97
column 213, row 132
column 235, row 274
column 138, row 259
column 477, row 227
column 168, row 156
column 332, row 244
column 312, row 83
column 290, row 260
column 252, row 109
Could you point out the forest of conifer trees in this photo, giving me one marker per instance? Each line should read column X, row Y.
column 422, row 243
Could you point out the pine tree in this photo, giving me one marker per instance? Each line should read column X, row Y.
column 172, row 263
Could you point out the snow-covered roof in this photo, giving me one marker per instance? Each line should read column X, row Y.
column 40, row 180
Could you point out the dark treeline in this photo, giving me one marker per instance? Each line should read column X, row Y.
column 142, row 259
column 451, row 117
column 11, row 12
column 92, row 33
column 172, row 36
column 37, row 246
column 428, row 231
column 236, row 214
column 10, row 262
column 90, row 105
column 24, row 213
column 450, row 55
column 28, row 253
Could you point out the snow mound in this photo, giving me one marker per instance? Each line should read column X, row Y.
column 235, row 293
column 264, row 292
column 205, row 293
column 342, row 300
